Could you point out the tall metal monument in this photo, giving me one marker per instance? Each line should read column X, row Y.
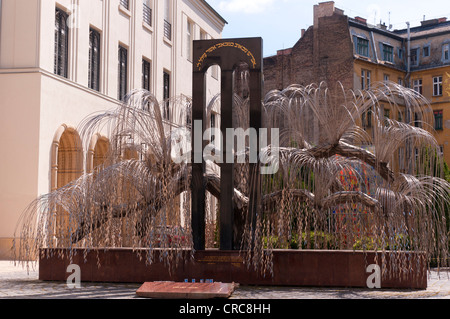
column 228, row 54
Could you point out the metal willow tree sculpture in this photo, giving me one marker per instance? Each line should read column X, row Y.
column 338, row 186
column 331, row 192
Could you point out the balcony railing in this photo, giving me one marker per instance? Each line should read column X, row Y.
column 167, row 30
column 147, row 14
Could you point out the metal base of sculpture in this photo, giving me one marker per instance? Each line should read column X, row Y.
column 298, row 268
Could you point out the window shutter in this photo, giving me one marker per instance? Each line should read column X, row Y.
column 382, row 55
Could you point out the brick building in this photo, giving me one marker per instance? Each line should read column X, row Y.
column 357, row 54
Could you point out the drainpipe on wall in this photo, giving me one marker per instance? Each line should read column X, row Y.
column 408, row 117
column 408, row 62
column 374, row 48
column 0, row 26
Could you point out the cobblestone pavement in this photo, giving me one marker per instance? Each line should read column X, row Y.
column 18, row 283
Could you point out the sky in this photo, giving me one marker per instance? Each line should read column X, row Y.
column 279, row 22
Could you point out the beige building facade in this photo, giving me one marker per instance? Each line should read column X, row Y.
column 61, row 61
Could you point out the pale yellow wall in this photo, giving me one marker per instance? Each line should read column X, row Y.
column 438, row 102
column 377, row 72
column 19, row 38
column 35, row 104
column 21, row 48
column 19, row 142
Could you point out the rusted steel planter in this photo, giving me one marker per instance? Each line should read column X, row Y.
column 303, row 268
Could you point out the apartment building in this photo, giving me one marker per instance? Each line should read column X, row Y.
column 61, row 61
column 357, row 54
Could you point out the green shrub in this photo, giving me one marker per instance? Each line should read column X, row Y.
column 314, row 240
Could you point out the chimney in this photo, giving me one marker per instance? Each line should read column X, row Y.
column 433, row 21
column 303, row 32
column 361, row 20
column 284, row 52
column 325, row 9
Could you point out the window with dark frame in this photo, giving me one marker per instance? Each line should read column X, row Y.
column 387, row 116
column 445, row 53
column 426, row 51
column 167, row 30
column 147, row 12
column 365, row 79
column 61, row 43
column 362, row 46
column 416, row 154
column 438, row 120
column 123, row 72
column 437, row 86
column 167, row 24
column 166, row 95
column 417, row 85
column 415, row 57
column 388, row 53
column 145, row 74
column 94, row 60
column 367, row 118
column 417, row 120
column 400, row 53
column 400, row 116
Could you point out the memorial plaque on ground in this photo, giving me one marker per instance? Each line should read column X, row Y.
column 186, row 290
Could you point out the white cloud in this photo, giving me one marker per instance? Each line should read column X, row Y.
column 246, row 6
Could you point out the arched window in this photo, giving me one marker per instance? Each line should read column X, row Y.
column 66, row 166
column 70, row 158
column 98, row 152
column 67, row 157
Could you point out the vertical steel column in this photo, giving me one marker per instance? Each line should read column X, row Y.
column 256, row 87
column 227, row 168
column 198, row 188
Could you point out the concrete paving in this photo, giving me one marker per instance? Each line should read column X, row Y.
column 17, row 282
